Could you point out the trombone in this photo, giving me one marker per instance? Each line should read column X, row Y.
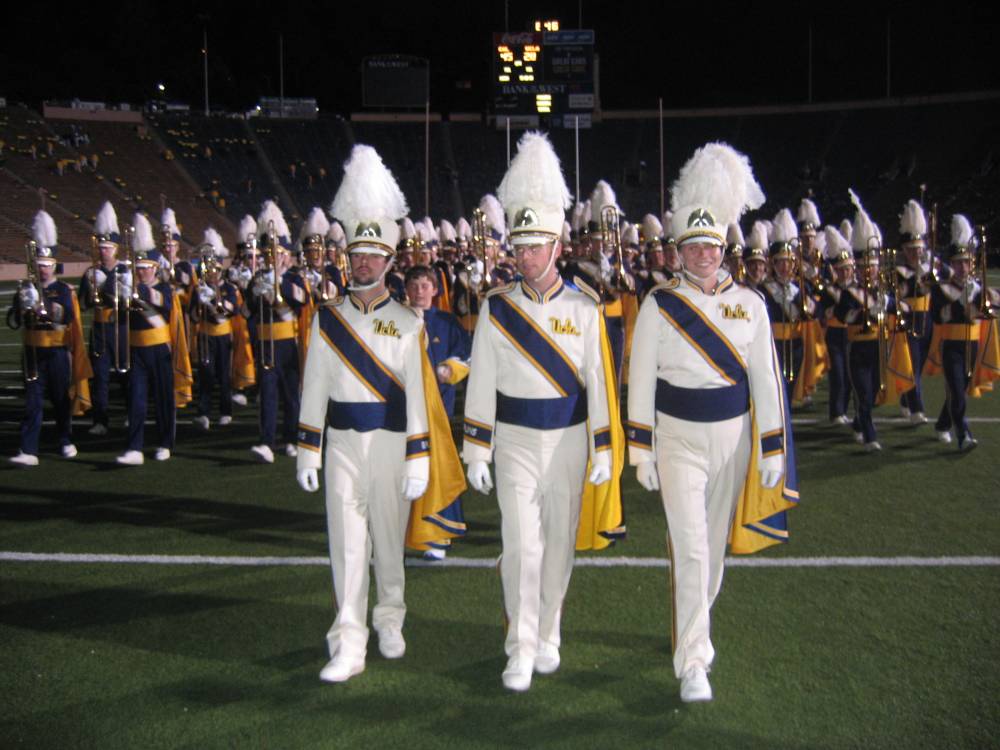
column 210, row 266
column 985, row 309
column 128, row 240
column 478, row 243
column 903, row 323
column 267, row 353
column 35, row 316
column 876, row 286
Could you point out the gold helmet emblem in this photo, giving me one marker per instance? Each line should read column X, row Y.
column 526, row 217
column 371, row 229
column 701, row 218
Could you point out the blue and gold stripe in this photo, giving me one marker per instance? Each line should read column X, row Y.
column 418, row 446
column 478, row 433
column 772, row 443
column 358, row 358
column 706, row 339
column 640, row 435
column 602, row 439
column 310, row 437
column 535, row 345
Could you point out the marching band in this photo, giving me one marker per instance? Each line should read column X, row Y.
column 367, row 329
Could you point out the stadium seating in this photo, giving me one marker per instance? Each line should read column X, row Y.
column 229, row 165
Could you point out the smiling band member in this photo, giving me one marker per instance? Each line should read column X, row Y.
column 707, row 417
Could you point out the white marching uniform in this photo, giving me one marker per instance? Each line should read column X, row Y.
column 689, row 413
column 364, row 365
column 536, row 396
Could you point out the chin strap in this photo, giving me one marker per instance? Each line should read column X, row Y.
column 548, row 266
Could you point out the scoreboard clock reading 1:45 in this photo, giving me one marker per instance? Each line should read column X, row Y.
column 548, row 73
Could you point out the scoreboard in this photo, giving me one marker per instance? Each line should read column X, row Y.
column 546, row 73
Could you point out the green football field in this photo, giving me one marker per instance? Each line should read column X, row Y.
column 874, row 627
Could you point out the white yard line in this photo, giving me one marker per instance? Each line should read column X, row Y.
column 460, row 562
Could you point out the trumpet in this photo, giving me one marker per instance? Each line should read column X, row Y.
column 611, row 237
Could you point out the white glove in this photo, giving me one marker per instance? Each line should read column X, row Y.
column 315, row 278
column 28, row 297
column 645, row 473
column 600, row 474
column 205, row 293
column 308, row 479
column 268, row 277
column 606, row 267
column 244, row 275
column 769, row 478
column 413, row 488
column 125, row 277
column 99, row 278
column 262, row 288
column 479, row 477
column 476, row 277
column 124, row 290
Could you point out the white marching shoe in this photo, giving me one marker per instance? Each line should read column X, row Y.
column 98, row 430
column 547, row 659
column 341, row 668
column 291, row 451
column 201, row 422
column 695, row 687
column 130, row 458
column 224, row 420
column 391, row 644
column 517, row 675
column 918, row 418
column 24, row 459
column 944, row 436
column 162, row 454
column 239, row 399
column 263, row 453
column 68, row 451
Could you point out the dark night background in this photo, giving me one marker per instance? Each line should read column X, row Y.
column 695, row 55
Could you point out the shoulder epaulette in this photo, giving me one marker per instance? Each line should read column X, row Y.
column 587, row 289
column 501, row 289
column 666, row 285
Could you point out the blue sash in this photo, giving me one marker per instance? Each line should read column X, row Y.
column 542, row 413
column 709, row 342
column 767, row 508
column 535, row 345
column 374, row 375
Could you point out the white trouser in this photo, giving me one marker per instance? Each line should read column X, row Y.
column 701, row 467
column 365, row 511
column 540, row 477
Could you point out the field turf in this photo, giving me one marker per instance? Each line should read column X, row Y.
column 116, row 655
